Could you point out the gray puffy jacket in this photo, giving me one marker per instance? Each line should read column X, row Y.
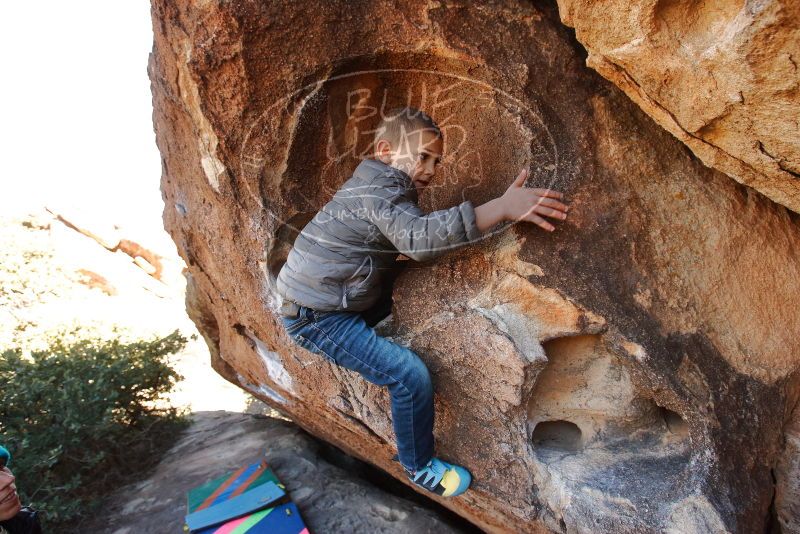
column 339, row 257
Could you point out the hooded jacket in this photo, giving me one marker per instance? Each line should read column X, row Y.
column 339, row 258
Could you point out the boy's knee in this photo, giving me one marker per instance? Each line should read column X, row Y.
column 418, row 377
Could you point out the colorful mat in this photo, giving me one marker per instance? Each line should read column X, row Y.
column 281, row 519
column 255, row 480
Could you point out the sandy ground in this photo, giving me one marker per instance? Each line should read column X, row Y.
column 334, row 493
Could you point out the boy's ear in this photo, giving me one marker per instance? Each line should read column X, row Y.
column 383, row 151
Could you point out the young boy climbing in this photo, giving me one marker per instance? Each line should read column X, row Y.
column 335, row 284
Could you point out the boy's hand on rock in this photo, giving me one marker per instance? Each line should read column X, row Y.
column 521, row 203
column 532, row 204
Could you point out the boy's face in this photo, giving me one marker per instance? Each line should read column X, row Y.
column 418, row 155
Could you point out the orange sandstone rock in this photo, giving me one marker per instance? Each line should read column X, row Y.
column 629, row 372
column 720, row 76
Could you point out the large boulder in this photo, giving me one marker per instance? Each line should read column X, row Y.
column 721, row 76
column 630, row 372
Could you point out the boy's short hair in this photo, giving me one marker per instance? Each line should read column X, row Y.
column 404, row 121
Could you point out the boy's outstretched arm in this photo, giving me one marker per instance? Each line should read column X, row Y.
column 415, row 234
column 422, row 237
column 520, row 203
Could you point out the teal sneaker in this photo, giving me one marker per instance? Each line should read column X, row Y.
column 442, row 478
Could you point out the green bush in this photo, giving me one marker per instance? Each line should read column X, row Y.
column 83, row 416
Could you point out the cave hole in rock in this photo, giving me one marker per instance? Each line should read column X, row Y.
column 675, row 423
column 586, row 395
column 562, row 435
column 595, row 430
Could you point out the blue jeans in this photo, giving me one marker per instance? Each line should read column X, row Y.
column 348, row 339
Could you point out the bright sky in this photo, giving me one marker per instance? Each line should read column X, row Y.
column 77, row 129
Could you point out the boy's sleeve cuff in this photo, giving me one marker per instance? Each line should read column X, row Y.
column 470, row 223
